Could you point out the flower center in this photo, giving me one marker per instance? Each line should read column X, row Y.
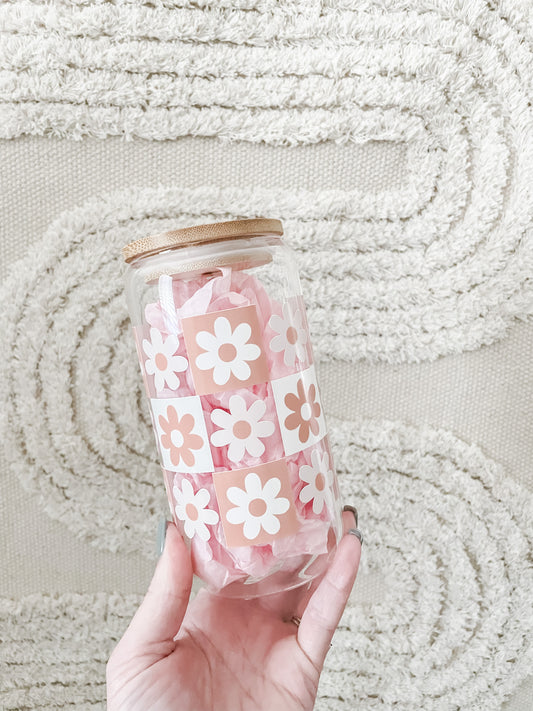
column 227, row 352
column 306, row 411
column 192, row 512
column 242, row 429
column 291, row 335
column 257, row 507
column 177, row 438
column 320, row 482
column 161, row 361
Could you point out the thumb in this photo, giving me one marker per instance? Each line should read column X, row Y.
column 159, row 617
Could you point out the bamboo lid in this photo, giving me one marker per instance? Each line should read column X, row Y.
column 199, row 234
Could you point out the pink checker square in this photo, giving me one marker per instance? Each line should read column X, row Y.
column 225, row 350
column 256, row 504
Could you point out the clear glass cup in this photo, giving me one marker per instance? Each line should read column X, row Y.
column 226, row 358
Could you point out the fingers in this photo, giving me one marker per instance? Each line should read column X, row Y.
column 324, row 610
column 159, row 617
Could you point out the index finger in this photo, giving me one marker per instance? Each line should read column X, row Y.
column 324, row 610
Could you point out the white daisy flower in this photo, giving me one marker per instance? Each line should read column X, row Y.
column 242, row 429
column 319, row 478
column 227, row 351
column 162, row 362
column 191, row 508
column 257, row 505
column 292, row 336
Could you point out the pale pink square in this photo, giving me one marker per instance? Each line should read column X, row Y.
column 225, row 350
column 256, row 504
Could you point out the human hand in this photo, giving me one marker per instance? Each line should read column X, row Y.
column 229, row 654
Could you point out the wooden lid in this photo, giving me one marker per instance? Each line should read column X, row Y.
column 199, row 234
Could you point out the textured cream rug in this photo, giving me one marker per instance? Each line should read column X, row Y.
column 395, row 141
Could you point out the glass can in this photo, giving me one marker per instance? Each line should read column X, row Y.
column 223, row 343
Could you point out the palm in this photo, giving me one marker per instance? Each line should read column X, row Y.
column 232, row 655
column 221, row 654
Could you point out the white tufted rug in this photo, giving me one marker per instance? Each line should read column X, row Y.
column 439, row 265
column 447, row 534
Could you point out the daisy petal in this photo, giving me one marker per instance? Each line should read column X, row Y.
column 236, row 515
column 237, row 406
column 222, row 418
column 289, row 355
column 188, row 491
column 251, row 528
column 318, row 504
column 187, row 456
column 210, row 516
column 236, row 450
column 308, row 473
column 315, row 460
column 221, row 438
column 279, row 506
column 277, row 344
column 293, row 402
column 253, row 485
column 206, row 361
column 271, row 488
column 256, row 410
column 186, row 424
column 190, row 528
column 306, row 494
column 194, row 441
column 265, row 428
column 270, row 523
column 237, row 496
column 254, row 447
column 150, row 367
column 249, row 352
column 240, row 370
column 171, row 345
column 221, row 373
column 172, row 381
column 159, row 380
column 180, row 513
column 293, row 421
column 276, row 323
column 207, row 341
column 178, row 495
column 157, row 338
column 178, row 363
column 201, row 498
column 241, row 334
column 148, row 348
column 202, row 531
column 222, row 329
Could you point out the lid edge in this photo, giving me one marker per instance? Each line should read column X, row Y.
column 201, row 234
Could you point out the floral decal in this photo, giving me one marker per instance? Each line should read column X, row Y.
column 256, row 503
column 305, row 411
column 179, row 438
column 163, row 363
column 319, row 479
column 292, row 335
column 191, row 508
column 227, row 351
column 256, row 506
column 242, row 429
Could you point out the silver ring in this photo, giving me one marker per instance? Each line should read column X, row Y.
column 296, row 620
column 357, row 533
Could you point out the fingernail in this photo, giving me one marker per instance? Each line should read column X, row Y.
column 354, row 511
column 161, row 535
